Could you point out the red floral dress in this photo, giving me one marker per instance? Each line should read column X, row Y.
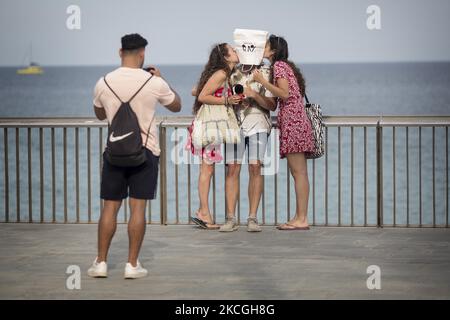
column 295, row 127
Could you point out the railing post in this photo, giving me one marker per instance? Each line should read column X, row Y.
column 379, row 144
column 5, row 148
column 163, row 173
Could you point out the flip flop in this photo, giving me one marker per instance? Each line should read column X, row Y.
column 203, row 224
column 198, row 222
column 290, row 227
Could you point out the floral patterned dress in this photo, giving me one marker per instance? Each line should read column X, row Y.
column 296, row 133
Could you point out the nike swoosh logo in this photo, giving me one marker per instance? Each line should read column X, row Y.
column 114, row 139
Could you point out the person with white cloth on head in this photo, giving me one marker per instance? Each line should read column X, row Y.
column 254, row 117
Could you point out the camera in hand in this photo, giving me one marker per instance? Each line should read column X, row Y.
column 149, row 69
column 238, row 89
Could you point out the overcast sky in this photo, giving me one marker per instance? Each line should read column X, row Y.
column 182, row 32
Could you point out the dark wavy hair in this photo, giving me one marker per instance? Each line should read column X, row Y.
column 215, row 63
column 280, row 46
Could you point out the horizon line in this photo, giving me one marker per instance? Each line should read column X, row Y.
column 201, row 64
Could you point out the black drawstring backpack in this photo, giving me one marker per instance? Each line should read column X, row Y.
column 124, row 144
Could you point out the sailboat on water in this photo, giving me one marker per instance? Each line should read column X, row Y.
column 33, row 67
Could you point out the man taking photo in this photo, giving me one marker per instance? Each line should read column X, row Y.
column 127, row 98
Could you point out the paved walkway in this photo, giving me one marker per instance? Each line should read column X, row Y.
column 187, row 263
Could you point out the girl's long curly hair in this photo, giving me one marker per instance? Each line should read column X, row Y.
column 215, row 63
column 280, row 46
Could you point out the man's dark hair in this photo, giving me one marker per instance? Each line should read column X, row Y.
column 134, row 41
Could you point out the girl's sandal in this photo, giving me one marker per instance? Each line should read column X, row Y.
column 204, row 224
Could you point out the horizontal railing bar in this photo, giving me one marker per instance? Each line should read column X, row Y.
column 184, row 121
column 343, row 121
column 51, row 122
column 415, row 121
column 176, row 121
column 332, row 121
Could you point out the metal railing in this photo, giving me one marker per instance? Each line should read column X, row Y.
column 377, row 171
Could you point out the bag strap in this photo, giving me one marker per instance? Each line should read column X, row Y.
column 104, row 79
column 306, row 98
column 148, row 131
column 227, row 85
column 134, row 95
column 140, row 88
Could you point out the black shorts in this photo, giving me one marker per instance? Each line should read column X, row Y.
column 138, row 182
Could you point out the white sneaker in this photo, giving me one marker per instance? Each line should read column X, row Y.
column 98, row 269
column 135, row 272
